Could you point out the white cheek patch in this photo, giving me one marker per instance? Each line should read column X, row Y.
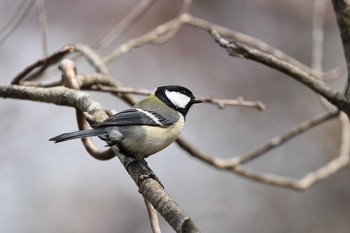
column 177, row 98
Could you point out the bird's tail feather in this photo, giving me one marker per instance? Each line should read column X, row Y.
column 78, row 134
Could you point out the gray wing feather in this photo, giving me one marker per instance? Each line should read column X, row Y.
column 134, row 117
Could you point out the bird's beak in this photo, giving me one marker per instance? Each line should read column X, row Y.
column 196, row 101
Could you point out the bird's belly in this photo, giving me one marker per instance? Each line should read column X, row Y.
column 150, row 139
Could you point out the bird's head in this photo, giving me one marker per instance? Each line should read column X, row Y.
column 177, row 97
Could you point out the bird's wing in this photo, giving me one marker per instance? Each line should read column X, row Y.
column 136, row 116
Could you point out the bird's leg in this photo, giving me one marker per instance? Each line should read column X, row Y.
column 146, row 171
column 150, row 174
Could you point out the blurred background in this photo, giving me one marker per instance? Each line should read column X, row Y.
column 46, row 187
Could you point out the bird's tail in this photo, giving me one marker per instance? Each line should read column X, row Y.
column 78, row 134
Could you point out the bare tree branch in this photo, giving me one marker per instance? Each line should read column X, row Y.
column 56, row 95
column 240, row 101
column 187, row 19
column 278, row 141
column 258, row 44
column 241, row 50
column 42, row 64
column 154, row 192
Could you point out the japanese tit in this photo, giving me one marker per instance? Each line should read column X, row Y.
column 147, row 127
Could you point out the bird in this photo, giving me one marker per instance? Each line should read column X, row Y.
column 147, row 127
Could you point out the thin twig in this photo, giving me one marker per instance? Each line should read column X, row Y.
column 153, row 217
column 317, row 34
column 150, row 37
column 43, row 25
column 160, row 34
column 92, row 57
column 124, row 24
column 334, row 73
column 174, row 30
column 278, row 141
column 317, row 43
column 336, row 164
column 103, row 76
column 121, row 90
column 16, row 19
column 240, row 101
column 42, row 63
column 272, row 144
column 86, row 81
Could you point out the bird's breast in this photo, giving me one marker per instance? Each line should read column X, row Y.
column 143, row 141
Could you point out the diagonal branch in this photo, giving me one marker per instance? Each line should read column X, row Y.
column 125, row 23
column 42, row 64
column 154, row 193
column 261, row 45
column 272, row 144
column 241, row 50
